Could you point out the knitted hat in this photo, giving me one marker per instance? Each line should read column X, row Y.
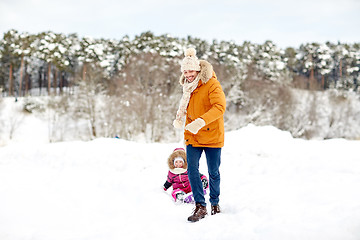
column 190, row 62
column 178, row 158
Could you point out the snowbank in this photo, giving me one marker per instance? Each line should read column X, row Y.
column 273, row 187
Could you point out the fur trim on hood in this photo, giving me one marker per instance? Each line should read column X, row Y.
column 177, row 153
column 206, row 72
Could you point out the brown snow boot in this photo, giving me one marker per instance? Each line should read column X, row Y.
column 199, row 213
column 215, row 209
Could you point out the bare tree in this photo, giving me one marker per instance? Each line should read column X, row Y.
column 146, row 85
column 86, row 97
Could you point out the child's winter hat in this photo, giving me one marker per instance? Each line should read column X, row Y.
column 179, row 149
column 190, row 62
column 176, row 154
column 179, row 158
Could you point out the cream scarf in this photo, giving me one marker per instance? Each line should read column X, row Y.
column 178, row 170
column 188, row 88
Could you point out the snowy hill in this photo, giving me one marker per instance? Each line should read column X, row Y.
column 273, row 187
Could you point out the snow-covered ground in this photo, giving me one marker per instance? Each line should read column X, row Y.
column 274, row 187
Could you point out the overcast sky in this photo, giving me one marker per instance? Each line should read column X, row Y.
column 288, row 23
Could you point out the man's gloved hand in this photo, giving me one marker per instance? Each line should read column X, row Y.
column 195, row 125
column 177, row 123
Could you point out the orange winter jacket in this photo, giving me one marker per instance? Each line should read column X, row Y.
column 208, row 102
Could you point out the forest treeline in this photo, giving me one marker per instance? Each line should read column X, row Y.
column 137, row 80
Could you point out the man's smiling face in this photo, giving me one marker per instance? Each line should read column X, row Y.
column 190, row 75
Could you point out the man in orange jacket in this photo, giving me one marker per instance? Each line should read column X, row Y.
column 203, row 105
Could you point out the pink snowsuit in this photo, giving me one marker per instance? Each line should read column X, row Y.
column 178, row 181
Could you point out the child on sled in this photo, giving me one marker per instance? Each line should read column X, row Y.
column 178, row 177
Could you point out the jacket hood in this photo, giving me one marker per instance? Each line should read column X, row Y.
column 206, row 72
column 178, row 153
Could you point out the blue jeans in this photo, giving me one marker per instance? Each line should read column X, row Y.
column 213, row 158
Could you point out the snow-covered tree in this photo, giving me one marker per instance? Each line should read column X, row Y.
column 270, row 63
column 307, row 63
column 325, row 63
column 11, row 49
